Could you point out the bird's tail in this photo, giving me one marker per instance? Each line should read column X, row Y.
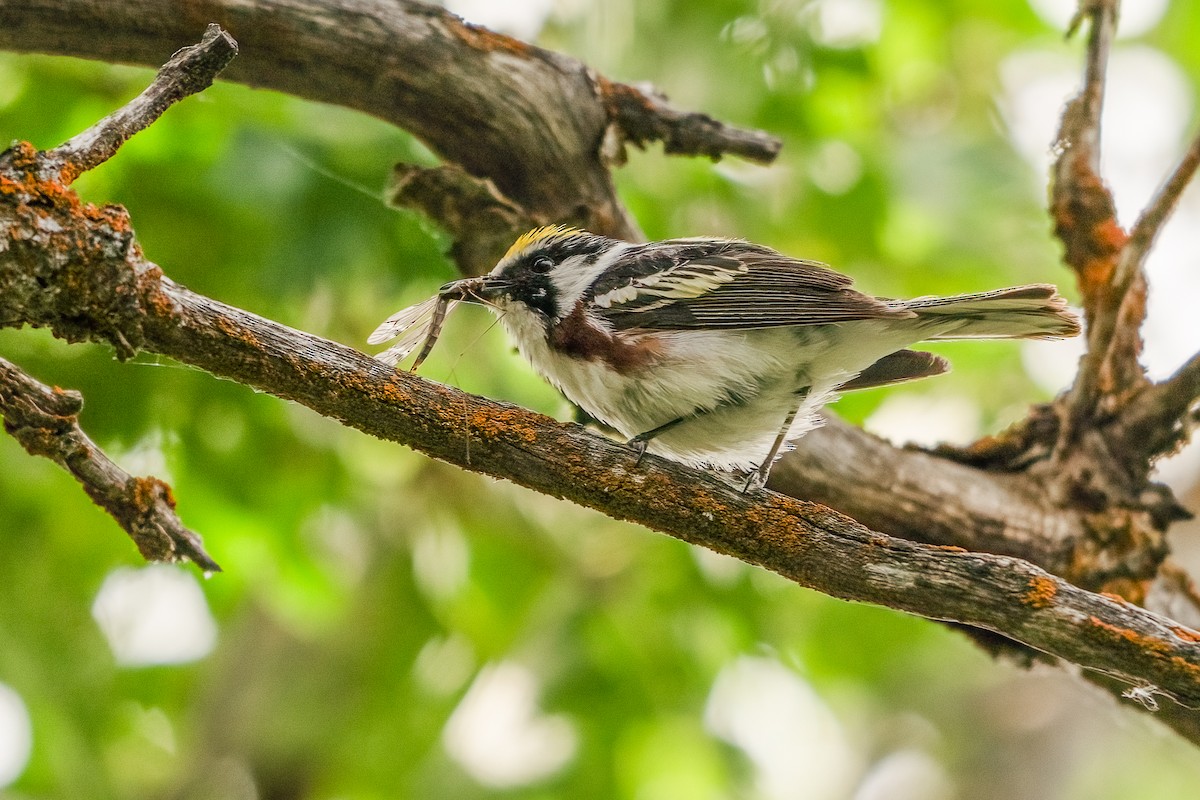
column 1036, row 311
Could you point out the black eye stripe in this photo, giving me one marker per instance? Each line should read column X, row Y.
column 542, row 264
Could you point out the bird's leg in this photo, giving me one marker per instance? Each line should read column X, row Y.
column 758, row 478
column 640, row 441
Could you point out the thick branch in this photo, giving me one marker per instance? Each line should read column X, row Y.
column 915, row 495
column 529, row 120
column 805, row 542
column 45, row 421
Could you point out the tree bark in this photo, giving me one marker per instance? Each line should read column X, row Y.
column 525, row 130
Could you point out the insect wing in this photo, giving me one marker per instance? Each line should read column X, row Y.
column 403, row 320
column 413, row 325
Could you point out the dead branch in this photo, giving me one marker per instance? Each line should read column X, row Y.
column 1154, row 216
column 472, row 210
column 46, row 423
column 643, row 115
column 189, row 71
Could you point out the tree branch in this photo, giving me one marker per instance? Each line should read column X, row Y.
column 920, row 496
column 805, row 542
column 46, row 423
column 1153, row 217
column 1158, row 419
column 529, row 120
column 1085, row 219
column 84, row 276
column 643, row 115
column 189, row 71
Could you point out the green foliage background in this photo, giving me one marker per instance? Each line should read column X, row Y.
column 366, row 587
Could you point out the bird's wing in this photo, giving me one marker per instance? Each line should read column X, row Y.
column 726, row 284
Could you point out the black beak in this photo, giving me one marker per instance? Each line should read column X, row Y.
column 474, row 290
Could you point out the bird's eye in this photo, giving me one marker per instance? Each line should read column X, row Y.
column 542, row 264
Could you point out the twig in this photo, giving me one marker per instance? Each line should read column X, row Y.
column 1153, row 217
column 1182, row 389
column 191, row 70
column 1115, row 312
column 1103, row 14
column 45, row 421
column 1158, row 419
column 642, row 116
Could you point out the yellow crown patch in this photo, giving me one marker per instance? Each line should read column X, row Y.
column 540, row 234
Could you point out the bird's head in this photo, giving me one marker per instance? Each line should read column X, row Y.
column 546, row 270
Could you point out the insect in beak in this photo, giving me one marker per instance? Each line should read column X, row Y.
column 482, row 289
column 422, row 323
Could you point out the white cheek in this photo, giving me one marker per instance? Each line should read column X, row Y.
column 572, row 278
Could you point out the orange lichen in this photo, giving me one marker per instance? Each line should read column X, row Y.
column 391, row 393
column 1109, row 236
column 1187, row 634
column 146, row 492
column 1095, row 273
column 485, row 40
column 1041, row 592
column 495, row 423
column 769, row 516
column 615, row 95
column 1131, row 636
column 234, row 331
column 1184, row 665
column 152, row 294
column 22, row 155
column 1085, row 220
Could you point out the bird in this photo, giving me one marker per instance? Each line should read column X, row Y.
column 712, row 352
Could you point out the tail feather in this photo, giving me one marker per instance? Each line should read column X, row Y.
column 1036, row 311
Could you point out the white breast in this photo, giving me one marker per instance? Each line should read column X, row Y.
column 734, row 389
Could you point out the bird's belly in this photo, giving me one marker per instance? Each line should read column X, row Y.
column 731, row 389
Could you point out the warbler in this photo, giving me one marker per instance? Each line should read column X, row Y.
column 712, row 352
